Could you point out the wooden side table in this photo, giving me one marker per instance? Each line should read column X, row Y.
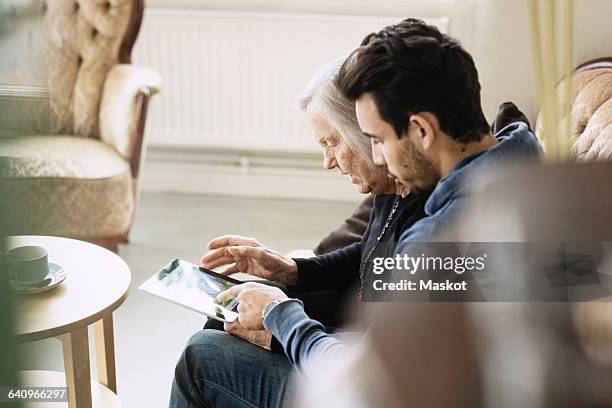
column 97, row 283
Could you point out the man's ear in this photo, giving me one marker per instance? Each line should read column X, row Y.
column 423, row 129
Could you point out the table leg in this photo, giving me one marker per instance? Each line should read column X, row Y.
column 105, row 352
column 76, row 364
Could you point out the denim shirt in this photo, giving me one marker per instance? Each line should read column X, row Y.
column 304, row 339
column 448, row 197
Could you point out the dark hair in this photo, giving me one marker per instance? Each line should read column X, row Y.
column 412, row 67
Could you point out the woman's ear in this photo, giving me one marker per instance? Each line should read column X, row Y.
column 423, row 129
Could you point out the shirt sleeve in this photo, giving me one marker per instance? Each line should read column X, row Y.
column 304, row 340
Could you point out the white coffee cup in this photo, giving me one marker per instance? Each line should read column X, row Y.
column 31, row 263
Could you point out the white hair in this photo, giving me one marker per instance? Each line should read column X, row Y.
column 323, row 97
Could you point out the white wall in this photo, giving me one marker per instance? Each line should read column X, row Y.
column 497, row 35
column 495, row 32
column 231, row 77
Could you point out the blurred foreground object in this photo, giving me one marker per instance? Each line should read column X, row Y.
column 71, row 145
column 415, row 354
column 552, row 355
column 8, row 348
column 502, row 355
column 9, row 358
column 555, row 354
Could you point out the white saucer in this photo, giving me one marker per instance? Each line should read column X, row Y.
column 56, row 275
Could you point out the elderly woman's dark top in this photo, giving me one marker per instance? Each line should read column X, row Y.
column 340, row 269
column 350, row 231
column 326, row 282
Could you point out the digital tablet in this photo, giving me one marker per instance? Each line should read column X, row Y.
column 193, row 287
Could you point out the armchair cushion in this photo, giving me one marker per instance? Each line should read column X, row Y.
column 56, row 182
column 119, row 113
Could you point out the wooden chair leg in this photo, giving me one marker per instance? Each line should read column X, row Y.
column 111, row 243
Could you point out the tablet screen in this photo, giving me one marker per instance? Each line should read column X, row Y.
column 184, row 283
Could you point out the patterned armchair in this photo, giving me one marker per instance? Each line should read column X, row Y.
column 74, row 171
column 591, row 110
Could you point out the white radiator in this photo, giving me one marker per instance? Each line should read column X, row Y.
column 230, row 78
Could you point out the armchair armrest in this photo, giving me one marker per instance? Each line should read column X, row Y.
column 123, row 109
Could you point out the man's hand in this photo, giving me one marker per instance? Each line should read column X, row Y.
column 261, row 338
column 253, row 298
column 248, row 255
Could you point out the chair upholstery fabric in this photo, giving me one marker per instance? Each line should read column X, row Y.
column 118, row 113
column 79, row 44
column 72, row 171
column 591, row 132
column 58, row 181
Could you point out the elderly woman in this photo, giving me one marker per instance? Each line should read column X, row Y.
column 334, row 124
column 207, row 358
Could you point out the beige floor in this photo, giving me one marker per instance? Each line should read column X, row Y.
column 150, row 333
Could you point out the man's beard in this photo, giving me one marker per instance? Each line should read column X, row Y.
column 423, row 174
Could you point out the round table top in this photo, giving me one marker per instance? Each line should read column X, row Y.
column 97, row 282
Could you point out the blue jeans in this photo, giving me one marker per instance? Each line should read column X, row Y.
column 220, row 370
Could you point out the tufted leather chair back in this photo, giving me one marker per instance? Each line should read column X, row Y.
column 591, row 110
column 79, row 42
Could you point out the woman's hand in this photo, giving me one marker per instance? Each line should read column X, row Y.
column 253, row 298
column 248, row 255
column 261, row 338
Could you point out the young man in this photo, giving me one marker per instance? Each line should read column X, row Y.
column 418, row 97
